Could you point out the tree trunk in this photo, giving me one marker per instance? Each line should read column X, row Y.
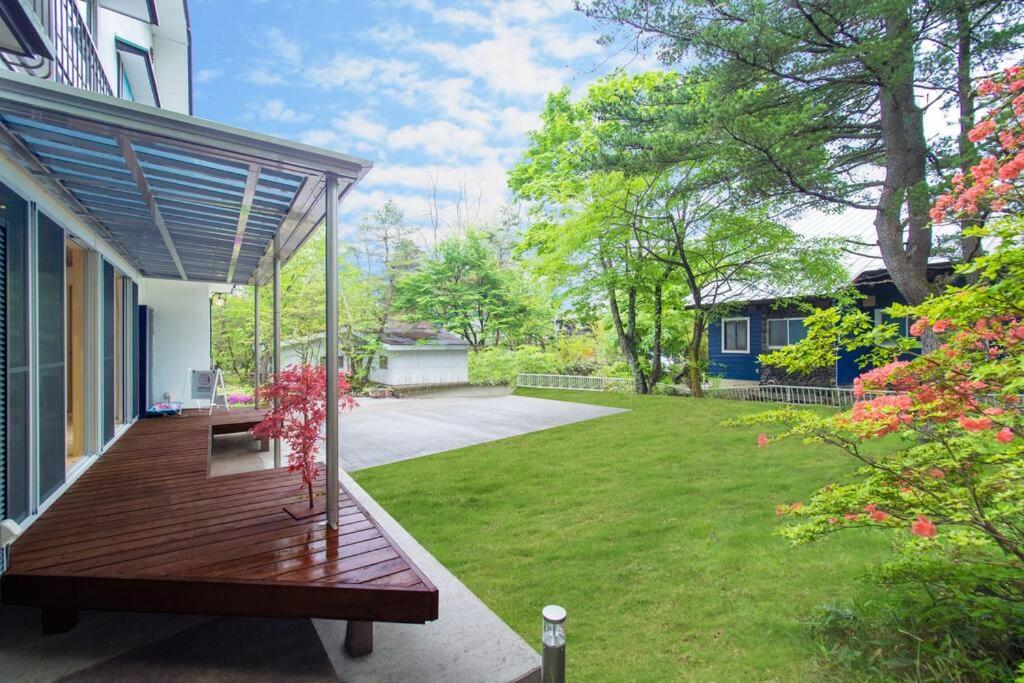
column 696, row 339
column 656, row 346
column 905, row 251
column 627, row 340
column 970, row 246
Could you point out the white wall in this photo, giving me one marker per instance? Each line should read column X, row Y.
column 168, row 42
column 423, row 366
column 181, row 332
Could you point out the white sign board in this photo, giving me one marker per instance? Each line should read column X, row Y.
column 203, row 384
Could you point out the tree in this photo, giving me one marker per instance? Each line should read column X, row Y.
column 297, row 397
column 638, row 232
column 387, row 253
column 820, row 103
column 951, row 492
column 463, row 287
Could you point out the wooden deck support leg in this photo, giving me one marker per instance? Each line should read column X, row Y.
column 58, row 619
column 359, row 638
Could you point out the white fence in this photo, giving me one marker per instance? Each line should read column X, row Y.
column 837, row 397
column 575, row 382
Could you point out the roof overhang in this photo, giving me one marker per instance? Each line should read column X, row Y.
column 179, row 197
column 425, row 347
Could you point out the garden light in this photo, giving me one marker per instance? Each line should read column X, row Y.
column 553, row 640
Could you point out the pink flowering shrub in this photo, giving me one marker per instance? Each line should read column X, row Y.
column 239, row 399
column 947, row 482
column 300, row 394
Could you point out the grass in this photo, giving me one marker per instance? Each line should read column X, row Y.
column 653, row 528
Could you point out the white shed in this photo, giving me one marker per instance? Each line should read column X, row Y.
column 420, row 353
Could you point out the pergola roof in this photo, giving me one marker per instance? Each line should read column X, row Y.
column 179, row 197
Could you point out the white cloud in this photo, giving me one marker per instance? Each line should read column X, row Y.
column 359, row 125
column 277, row 110
column 207, row 75
column 506, row 63
column 319, row 137
column 439, row 138
column 264, row 76
column 283, row 47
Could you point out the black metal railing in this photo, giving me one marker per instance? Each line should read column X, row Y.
column 75, row 60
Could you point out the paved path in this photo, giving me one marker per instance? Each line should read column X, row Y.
column 382, row 431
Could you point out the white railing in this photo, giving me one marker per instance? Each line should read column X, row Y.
column 836, row 397
column 575, row 382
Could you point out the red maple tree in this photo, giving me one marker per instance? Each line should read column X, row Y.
column 298, row 396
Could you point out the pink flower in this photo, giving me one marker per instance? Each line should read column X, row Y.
column 851, row 516
column 975, row 424
column 1005, row 435
column 937, row 473
column 923, row 527
column 762, row 440
column 919, row 326
column 982, row 130
column 879, row 515
column 941, row 326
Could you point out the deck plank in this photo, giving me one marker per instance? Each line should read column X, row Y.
column 146, row 528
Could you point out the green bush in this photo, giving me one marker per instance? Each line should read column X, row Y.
column 502, row 366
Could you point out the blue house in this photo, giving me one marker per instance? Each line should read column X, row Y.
column 759, row 326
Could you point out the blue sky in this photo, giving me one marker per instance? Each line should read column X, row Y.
column 424, row 88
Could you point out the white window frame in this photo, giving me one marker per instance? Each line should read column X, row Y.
column 745, row 352
column 768, row 331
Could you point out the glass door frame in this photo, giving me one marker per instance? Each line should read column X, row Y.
column 90, row 375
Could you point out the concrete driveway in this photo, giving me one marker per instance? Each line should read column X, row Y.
column 382, row 431
column 388, row 430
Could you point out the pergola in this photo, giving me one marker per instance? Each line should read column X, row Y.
column 187, row 199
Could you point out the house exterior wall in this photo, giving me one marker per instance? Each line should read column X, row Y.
column 734, row 366
column 730, row 365
column 413, row 366
column 885, row 295
column 181, row 332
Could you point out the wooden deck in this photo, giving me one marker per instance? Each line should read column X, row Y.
column 145, row 529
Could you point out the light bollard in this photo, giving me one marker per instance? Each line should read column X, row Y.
column 553, row 639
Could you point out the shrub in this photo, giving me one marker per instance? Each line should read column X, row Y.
column 951, row 493
column 498, row 365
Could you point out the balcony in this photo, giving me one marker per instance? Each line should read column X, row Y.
column 51, row 39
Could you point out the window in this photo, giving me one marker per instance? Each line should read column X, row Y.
column 382, row 362
column 736, row 335
column 785, row 331
column 883, row 318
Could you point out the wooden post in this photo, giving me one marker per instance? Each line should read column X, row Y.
column 359, row 638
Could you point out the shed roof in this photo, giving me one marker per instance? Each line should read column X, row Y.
column 178, row 196
column 421, row 333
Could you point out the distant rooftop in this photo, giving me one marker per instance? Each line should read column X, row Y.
column 420, row 333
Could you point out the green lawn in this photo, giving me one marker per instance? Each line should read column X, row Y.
column 653, row 528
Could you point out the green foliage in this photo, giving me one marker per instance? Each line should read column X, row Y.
column 464, row 288
column 498, row 365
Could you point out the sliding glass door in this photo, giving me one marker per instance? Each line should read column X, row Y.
column 50, row 348
column 66, row 329
column 18, row 473
column 119, row 294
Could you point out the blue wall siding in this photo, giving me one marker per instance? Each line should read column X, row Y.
column 848, row 367
column 735, row 365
